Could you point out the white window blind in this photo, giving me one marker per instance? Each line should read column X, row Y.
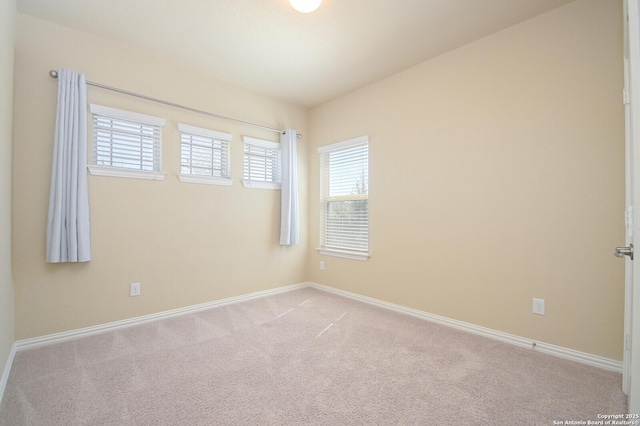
column 261, row 163
column 345, row 198
column 204, row 155
column 127, row 141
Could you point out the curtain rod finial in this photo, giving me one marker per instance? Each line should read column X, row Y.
column 53, row 74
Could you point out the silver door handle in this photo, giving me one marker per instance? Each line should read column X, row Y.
column 624, row 251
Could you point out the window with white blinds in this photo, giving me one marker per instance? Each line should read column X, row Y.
column 261, row 164
column 345, row 198
column 126, row 144
column 204, row 156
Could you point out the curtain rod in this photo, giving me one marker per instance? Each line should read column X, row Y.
column 54, row 74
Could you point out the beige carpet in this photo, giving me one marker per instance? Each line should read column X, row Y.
column 302, row 357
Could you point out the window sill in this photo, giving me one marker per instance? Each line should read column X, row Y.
column 260, row 185
column 208, row 180
column 125, row 173
column 353, row 255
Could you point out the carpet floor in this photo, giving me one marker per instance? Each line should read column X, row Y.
column 300, row 357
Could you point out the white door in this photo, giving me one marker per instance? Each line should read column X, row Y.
column 631, row 361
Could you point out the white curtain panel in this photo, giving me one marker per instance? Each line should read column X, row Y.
column 289, row 220
column 68, row 230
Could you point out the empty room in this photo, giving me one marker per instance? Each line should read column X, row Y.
column 319, row 212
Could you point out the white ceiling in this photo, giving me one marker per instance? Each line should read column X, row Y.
column 266, row 46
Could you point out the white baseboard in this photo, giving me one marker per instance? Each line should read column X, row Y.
column 559, row 351
column 88, row 331
column 7, row 369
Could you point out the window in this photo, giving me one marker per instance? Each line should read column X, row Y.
column 261, row 164
column 204, row 156
column 345, row 199
column 126, row 144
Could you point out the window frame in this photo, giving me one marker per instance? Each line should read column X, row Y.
column 214, row 136
column 325, row 199
column 260, row 184
column 132, row 117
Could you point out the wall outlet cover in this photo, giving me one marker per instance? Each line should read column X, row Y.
column 538, row 306
column 134, row 289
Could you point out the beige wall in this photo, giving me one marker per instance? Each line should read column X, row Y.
column 497, row 176
column 186, row 243
column 7, row 31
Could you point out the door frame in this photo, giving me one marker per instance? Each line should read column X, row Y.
column 631, row 366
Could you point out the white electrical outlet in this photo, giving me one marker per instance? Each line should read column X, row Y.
column 134, row 289
column 538, row 306
column 322, row 265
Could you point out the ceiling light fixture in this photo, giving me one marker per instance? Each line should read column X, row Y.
column 305, row 6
